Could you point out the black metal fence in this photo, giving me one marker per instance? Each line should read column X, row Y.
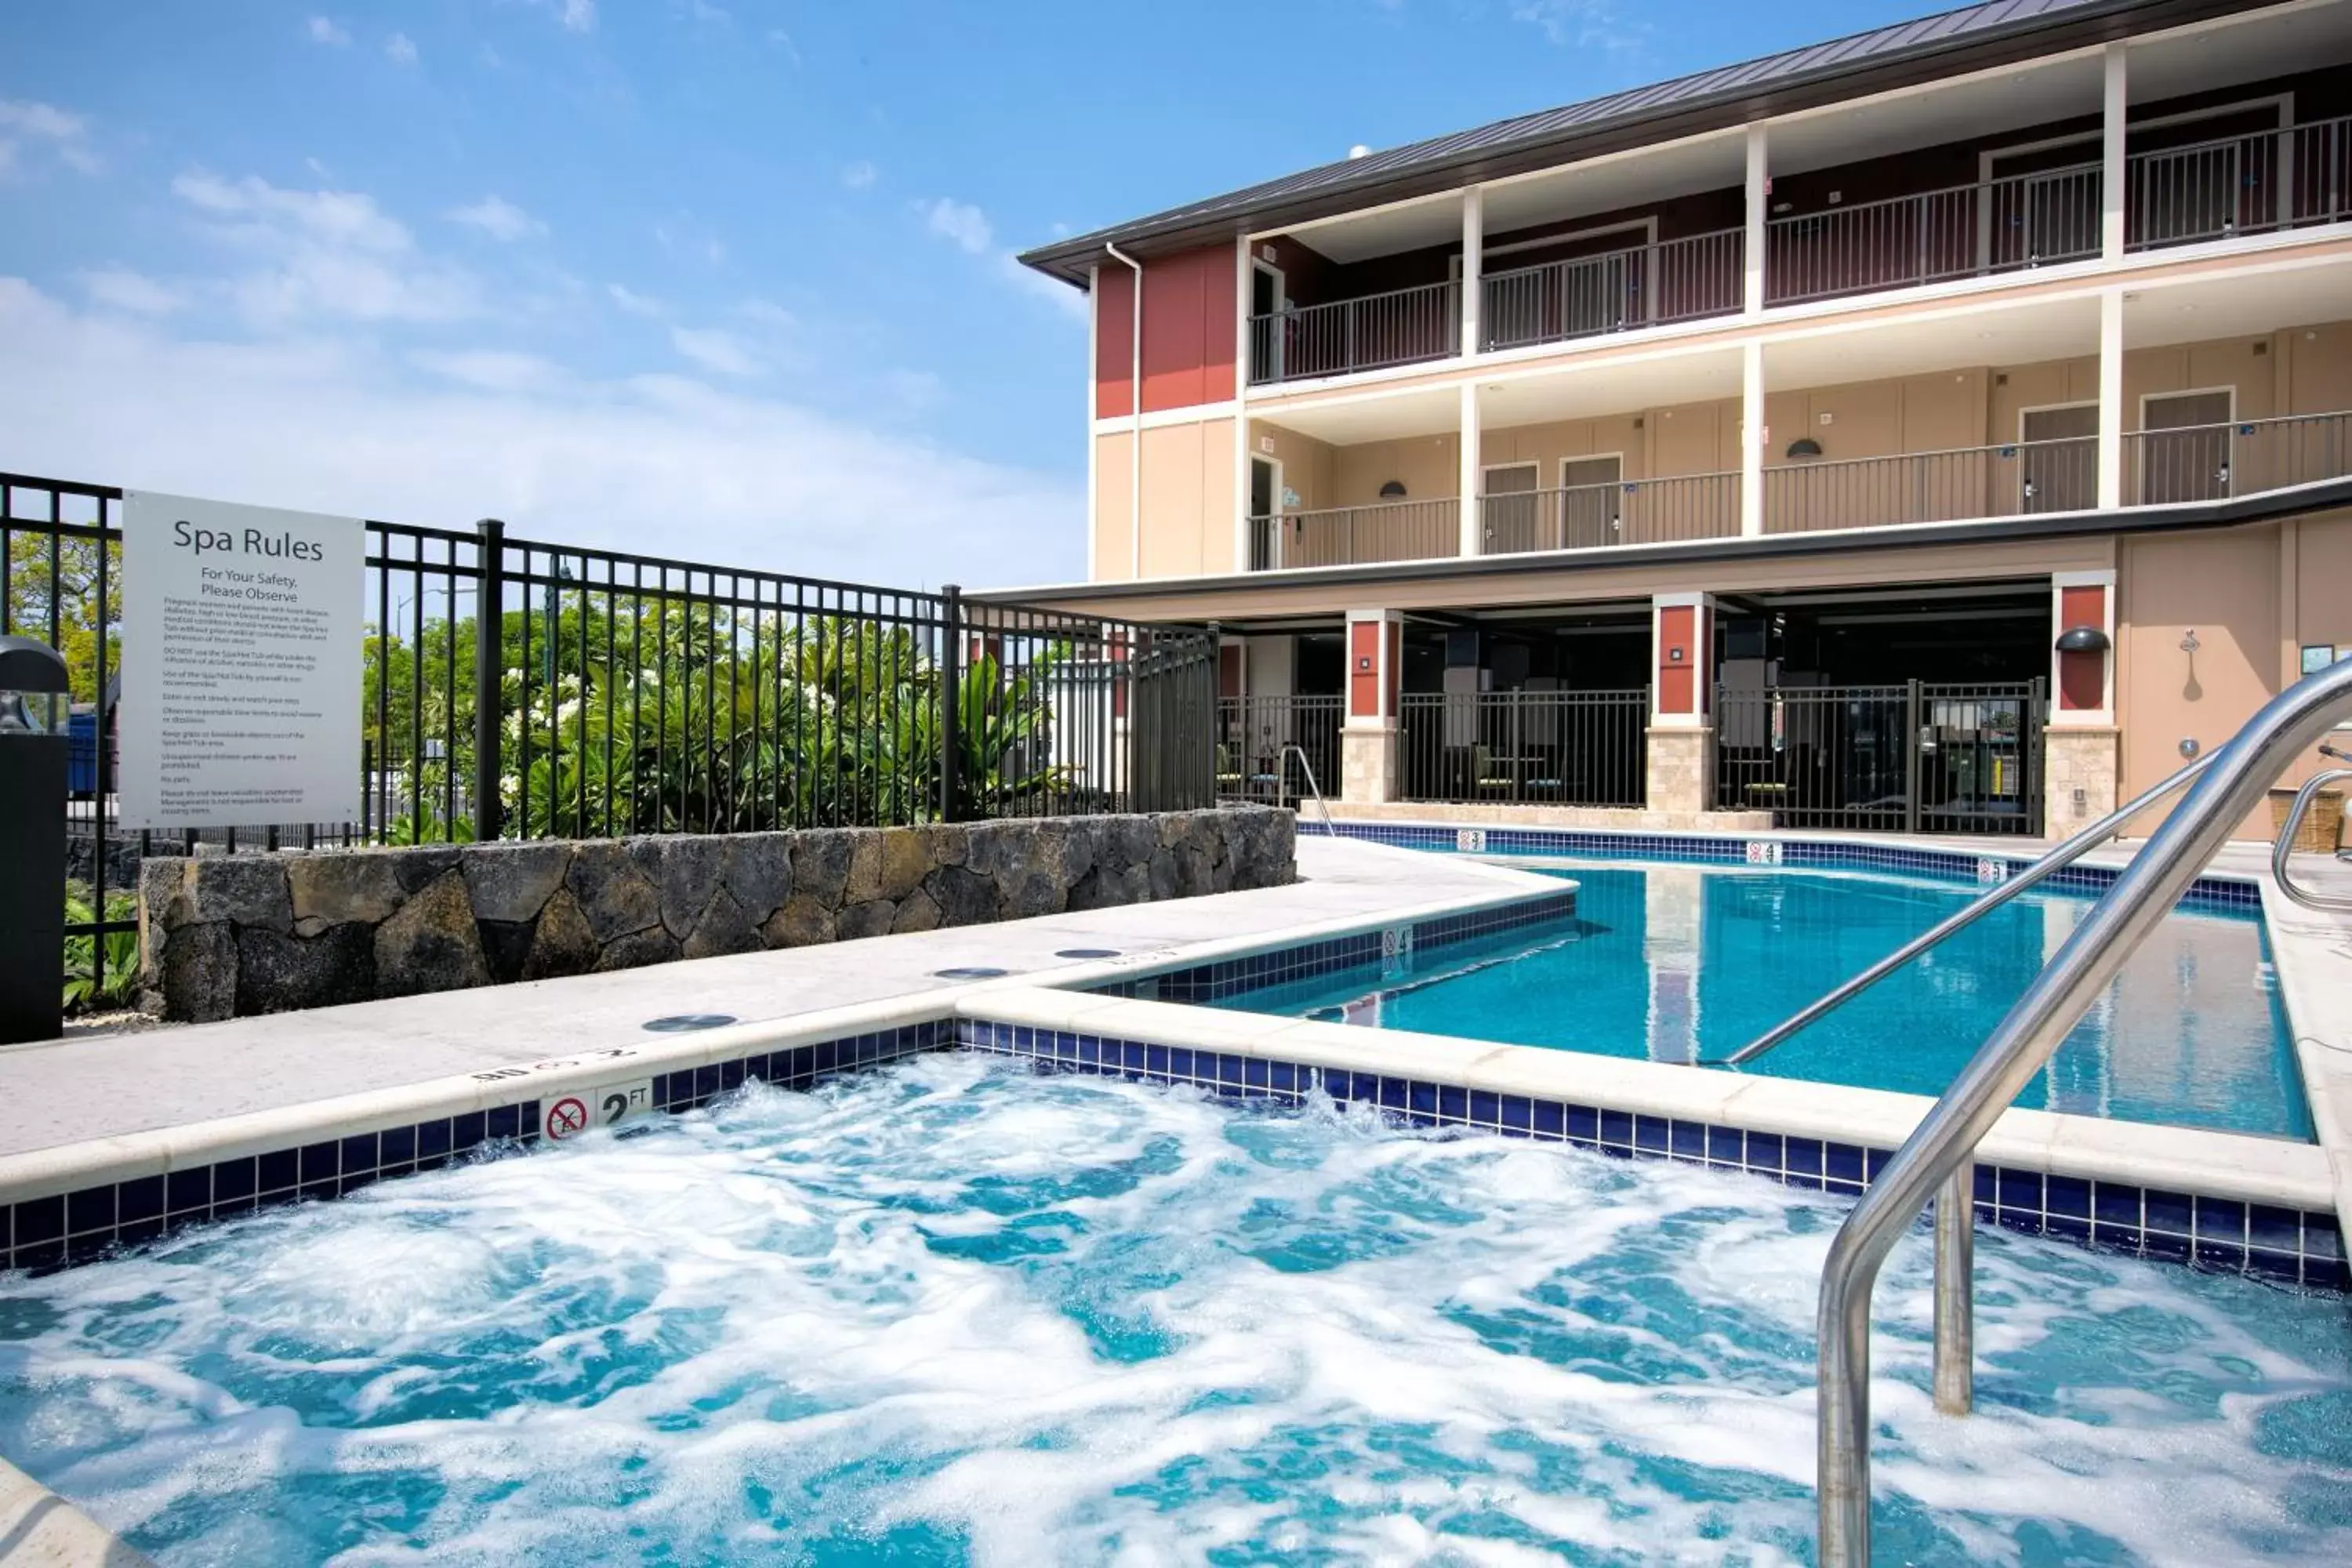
column 1255, row 737
column 1556, row 748
column 609, row 693
column 1912, row 758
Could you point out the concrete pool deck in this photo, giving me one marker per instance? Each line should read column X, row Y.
column 90, row 1088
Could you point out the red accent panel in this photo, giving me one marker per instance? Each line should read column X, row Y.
column 1229, row 670
column 2082, row 677
column 1363, row 669
column 1679, row 678
column 1188, row 326
column 1114, row 295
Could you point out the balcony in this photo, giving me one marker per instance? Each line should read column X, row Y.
column 2213, row 462
column 1631, row 511
column 2015, row 479
column 2190, row 192
column 1356, row 535
column 1615, row 291
column 1402, row 326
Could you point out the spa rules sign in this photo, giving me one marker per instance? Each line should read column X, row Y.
column 241, row 638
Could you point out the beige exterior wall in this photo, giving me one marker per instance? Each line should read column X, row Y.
column 1187, row 501
column 1306, row 463
column 1429, row 467
column 2254, row 596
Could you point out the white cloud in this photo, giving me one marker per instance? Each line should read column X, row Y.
column 960, row 221
column 768, row 313
column 399, row 49
column 577, row 16
column 715, row 350
column 340, row 427
column 492, row 369
column 120, row 288
column 323, row 30
column 636, row 304
column 780, row 39
column 316, row 254
column 860, row 175
column 498, row 217
column 63, row 135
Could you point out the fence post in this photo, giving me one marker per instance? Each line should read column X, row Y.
column 1912, row 770
column 951, row 697
column 490, row 658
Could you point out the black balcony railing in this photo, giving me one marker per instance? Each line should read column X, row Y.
column 2242, row 184
column 1933, row 486
column 2210, row 462
column 1560, row 748
column 1356, row 535
column 1252, row 737
column 1400, row 327
column 1634, row 511
column 1641, row 286
column 1994, row 225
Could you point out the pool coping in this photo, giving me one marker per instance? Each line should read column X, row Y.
column 85, row 1198
column 38, row 1527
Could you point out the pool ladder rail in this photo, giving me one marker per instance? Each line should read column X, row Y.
column 1282, row 785
column 1937, row 1161
column 2285, row 845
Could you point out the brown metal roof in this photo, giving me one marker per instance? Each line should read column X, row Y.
column 1974, row 37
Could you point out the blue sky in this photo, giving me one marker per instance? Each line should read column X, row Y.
column 723, row 278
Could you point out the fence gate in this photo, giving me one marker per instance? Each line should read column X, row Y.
column 1913, row 758
column 1174, row 719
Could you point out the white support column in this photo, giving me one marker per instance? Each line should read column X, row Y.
column 1751, row 439
column 1472, row 518
column 1240, row 403
column 1473, row 245
column 1759, row 203
column 2111, row 157
column 2111, row 399
column 1093, row 440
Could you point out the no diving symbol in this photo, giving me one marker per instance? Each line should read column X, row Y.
column 567, row 1118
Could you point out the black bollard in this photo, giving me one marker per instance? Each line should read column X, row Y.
column 33, row 746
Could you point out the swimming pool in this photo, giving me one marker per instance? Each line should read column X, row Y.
column 949, row 1311
column 1683, row 963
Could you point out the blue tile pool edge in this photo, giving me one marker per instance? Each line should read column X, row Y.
column 2234, row 895
column 2303, row 1248
column 60, row 1230
column 2282, row 1245
column 1281, row 963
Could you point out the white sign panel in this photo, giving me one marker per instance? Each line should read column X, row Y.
column 241, row 664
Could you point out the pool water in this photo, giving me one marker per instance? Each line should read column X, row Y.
column 1680, row 963
column 951, row 1312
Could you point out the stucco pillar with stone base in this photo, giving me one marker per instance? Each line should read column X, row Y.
column 2078, row 777
column 1681, row 721
column 2080, row 749
column 1682, row 769
column 1368, row 749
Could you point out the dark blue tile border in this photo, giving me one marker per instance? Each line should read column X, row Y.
column 2285, row 1246
column 2209, row 894
column 1229, row 976
column 49, row 1233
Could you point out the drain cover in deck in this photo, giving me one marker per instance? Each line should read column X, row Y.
column 1087, row 953
column 969, row 971
column 685, row 1022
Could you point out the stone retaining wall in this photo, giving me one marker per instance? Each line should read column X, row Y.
column 225, row 935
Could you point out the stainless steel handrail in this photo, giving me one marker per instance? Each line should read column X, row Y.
column 2285, row 845
column 1282, row 786
column 2057, row 860
column 1937, row 1153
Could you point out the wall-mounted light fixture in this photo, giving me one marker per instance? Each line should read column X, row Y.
column 1393, row 491
column 1804, row 449
column 2083, row 639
